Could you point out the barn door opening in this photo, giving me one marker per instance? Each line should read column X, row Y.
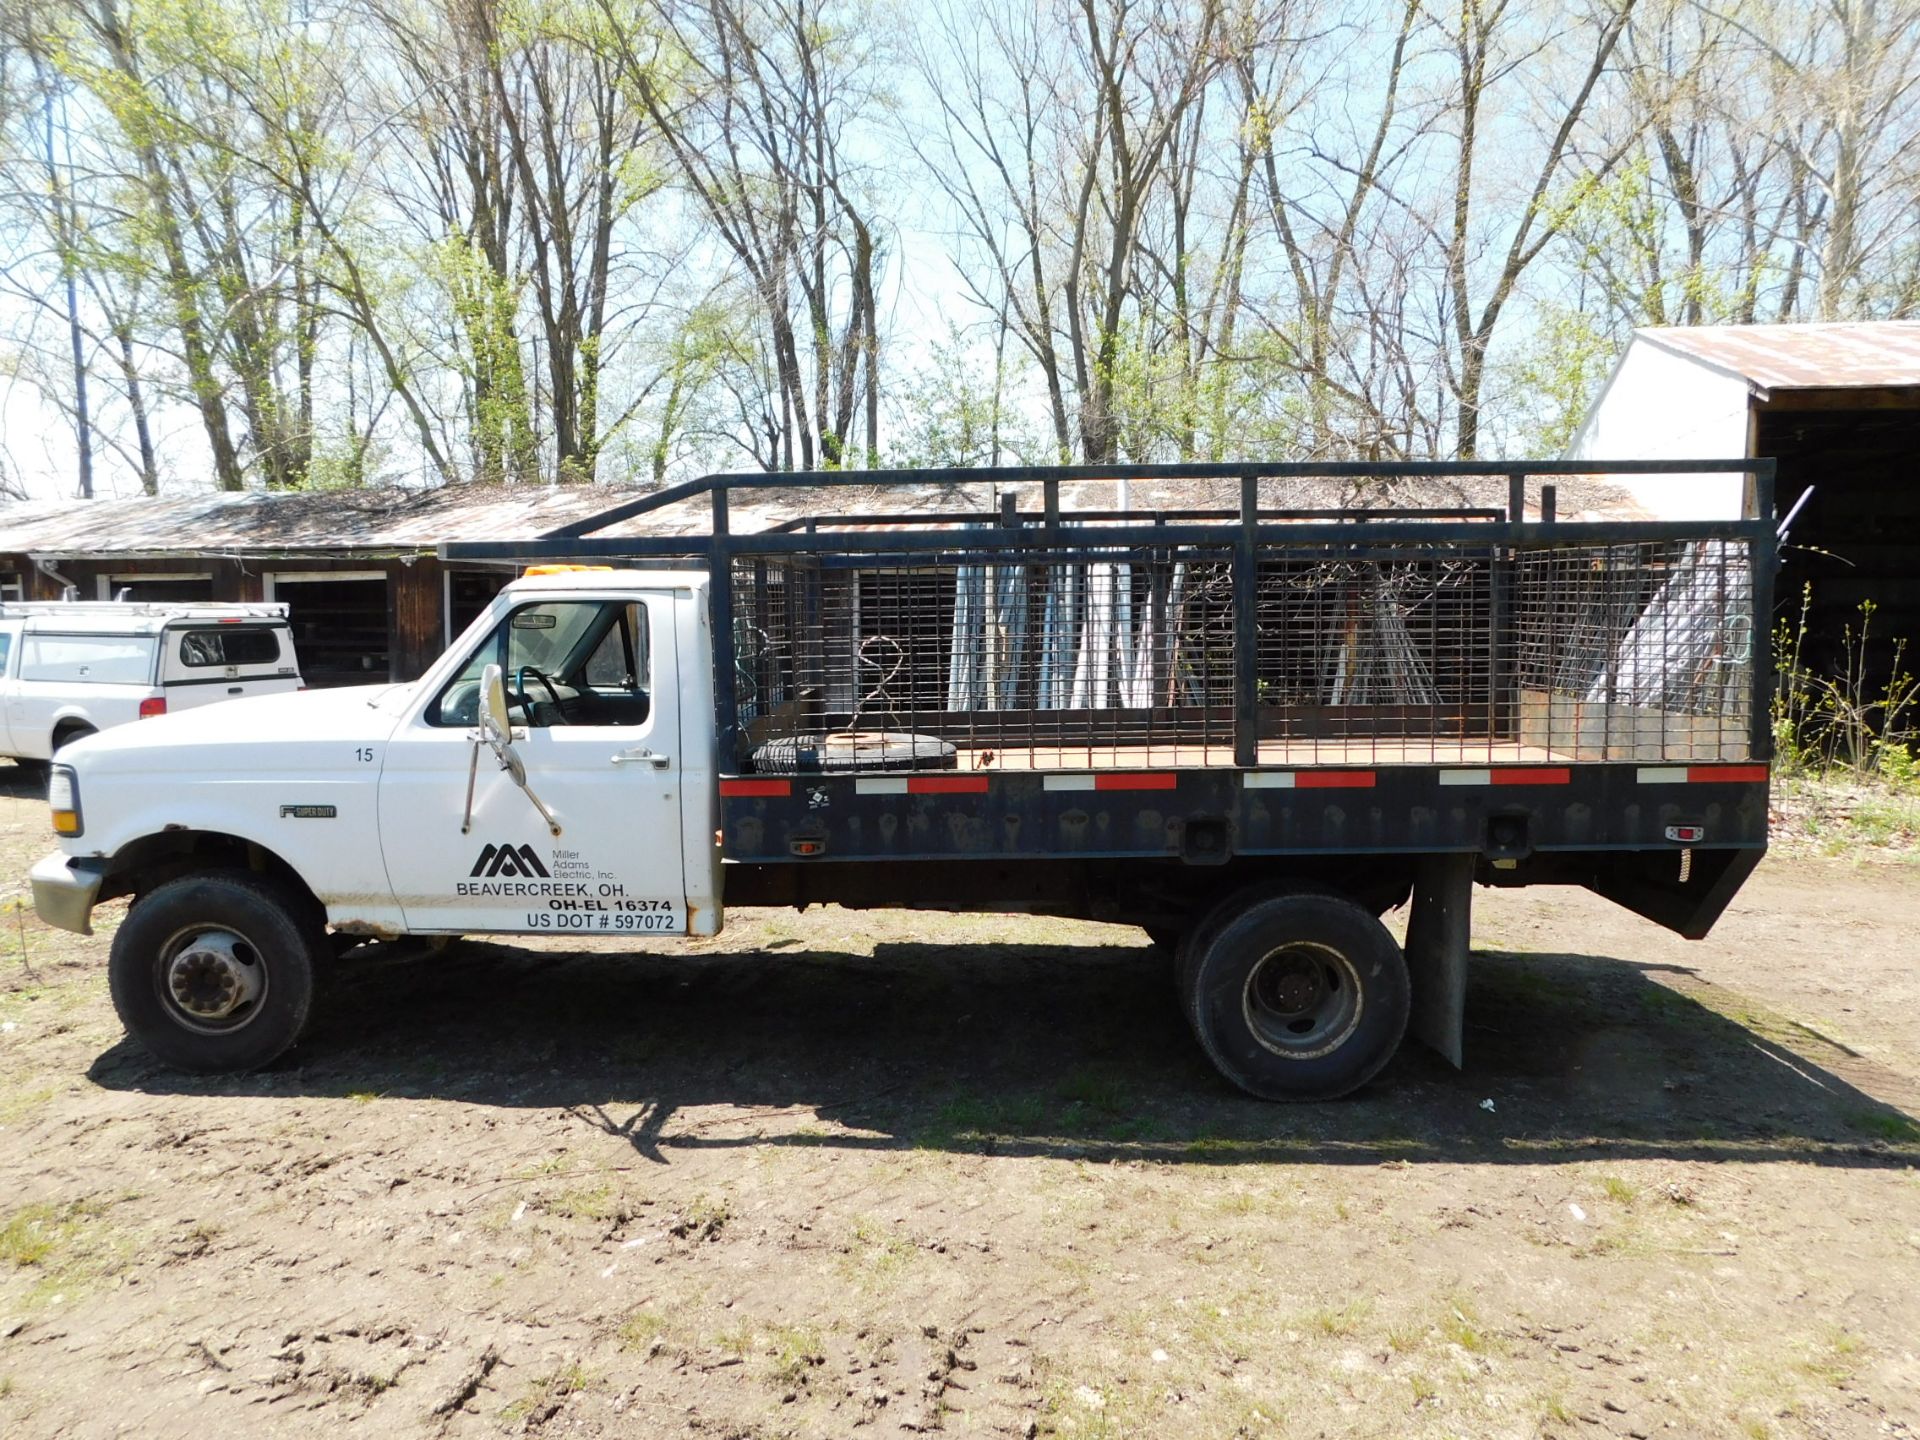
column 339, row 622
column 157, row 589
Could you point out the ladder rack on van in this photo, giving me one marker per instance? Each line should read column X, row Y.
column 146, row 609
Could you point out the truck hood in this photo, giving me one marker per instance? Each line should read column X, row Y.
column 232, row 734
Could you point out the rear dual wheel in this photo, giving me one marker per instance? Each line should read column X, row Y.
column 1295, row 996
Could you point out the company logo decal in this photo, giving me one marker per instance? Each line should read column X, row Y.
column 508, row 860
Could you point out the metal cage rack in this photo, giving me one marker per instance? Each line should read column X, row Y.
column 1002, row 639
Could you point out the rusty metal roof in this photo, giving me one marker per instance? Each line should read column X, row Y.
column 1801, row 357
column 362, row 522
column 388, row 523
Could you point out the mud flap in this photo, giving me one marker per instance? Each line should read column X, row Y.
column 1439, row 933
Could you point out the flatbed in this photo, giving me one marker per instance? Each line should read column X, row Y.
column 1245, row 728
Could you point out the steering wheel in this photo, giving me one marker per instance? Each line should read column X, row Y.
column 553, row 694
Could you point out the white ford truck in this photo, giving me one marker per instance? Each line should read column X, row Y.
column 71, row 668
column 1248, row 735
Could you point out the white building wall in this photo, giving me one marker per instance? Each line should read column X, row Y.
column 1661, row 406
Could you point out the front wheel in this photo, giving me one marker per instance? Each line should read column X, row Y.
column 214, row 973
column 1298, row 997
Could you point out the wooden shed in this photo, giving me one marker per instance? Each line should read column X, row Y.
column 1838, row 409
column 369, row 598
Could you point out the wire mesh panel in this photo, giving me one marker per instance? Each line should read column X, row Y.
column 1637, row 651
column 1085, row 654
column 1377, row 655
column 1117, row 656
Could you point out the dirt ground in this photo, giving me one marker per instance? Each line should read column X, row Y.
column 869, row 1175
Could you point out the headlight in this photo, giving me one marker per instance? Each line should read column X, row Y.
column 63, row 796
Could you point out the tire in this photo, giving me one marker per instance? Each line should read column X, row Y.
column 66, row 736
column 1200, row 933
column 1298, row 997
column 203, row 942
column 847, row 751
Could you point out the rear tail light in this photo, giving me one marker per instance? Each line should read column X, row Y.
column 153, row 705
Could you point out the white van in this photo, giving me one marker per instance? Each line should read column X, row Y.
column 70, row 668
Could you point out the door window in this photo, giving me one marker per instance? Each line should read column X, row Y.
column 566, row 662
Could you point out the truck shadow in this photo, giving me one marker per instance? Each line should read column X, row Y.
column 1064, row 1050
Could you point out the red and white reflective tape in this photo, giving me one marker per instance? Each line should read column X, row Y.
column 1701, row 774
column 1510, row 775
column 1113, row 780
column 1308, row 780
column 1257, row 780
column 920, row 785
column 756, row 787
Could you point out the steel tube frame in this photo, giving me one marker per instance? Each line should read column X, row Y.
column 1237, row 536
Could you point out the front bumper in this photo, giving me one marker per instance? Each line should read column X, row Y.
column 64, row 891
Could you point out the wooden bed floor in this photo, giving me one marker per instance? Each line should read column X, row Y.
column 1280, row 754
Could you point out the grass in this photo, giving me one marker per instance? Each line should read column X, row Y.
column 876, row 1251
column 640, row 1329
column 1097, row 1090
column 600, row 1203
column 37, row 1234
column 1342, row 1321
column 796, row 1350
column 1833, row 1364
column 541, row 1169
column 1885, row 1124
column 67, row 1245
column 546, row 1393
column 1840, row 816
column 1461, row 1326
column 1618, row 1190
column 703, row 1219
column 1405, row 1339
column 972, row 1117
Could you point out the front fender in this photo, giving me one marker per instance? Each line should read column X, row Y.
column 324, row 828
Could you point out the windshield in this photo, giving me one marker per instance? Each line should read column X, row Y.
column 566, row 662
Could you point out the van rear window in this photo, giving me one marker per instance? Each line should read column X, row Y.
column 89, row 659
column 234, row 645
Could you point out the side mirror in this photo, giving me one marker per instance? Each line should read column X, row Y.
column 496, row 726
column 494, row 722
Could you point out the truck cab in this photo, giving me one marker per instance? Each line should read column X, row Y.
column 388, row 810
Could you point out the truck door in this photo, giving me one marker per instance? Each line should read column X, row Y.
column 591, row 692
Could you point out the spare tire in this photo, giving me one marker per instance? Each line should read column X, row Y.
column 844, row 751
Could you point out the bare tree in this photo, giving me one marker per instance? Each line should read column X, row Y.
column 752, row 99
column 1057, row 135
